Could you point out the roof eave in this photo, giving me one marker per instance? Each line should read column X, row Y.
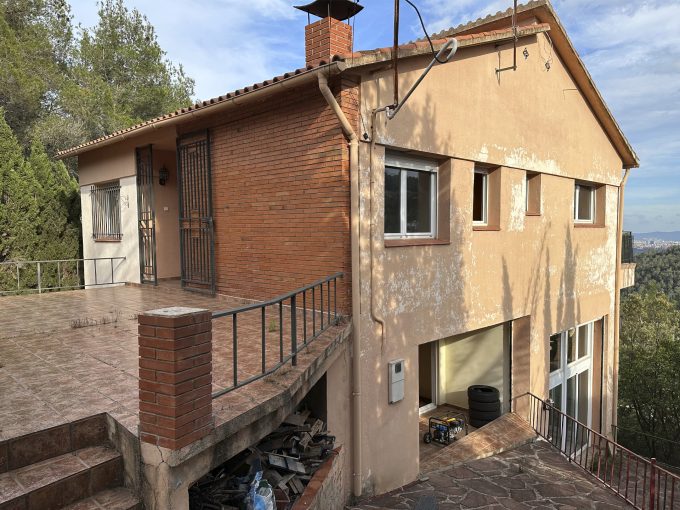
column 210, row 107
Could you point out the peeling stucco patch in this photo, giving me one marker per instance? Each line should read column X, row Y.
column 517, row 208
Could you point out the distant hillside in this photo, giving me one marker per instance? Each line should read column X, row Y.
column 661, row 267
column 664, row 236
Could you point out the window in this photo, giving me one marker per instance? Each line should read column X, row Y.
column 480, row 197
column 410, row 197
column 532, row 189
column 584, row 203
column 106, row 225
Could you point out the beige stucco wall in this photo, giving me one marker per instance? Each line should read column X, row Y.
column 117, row 162
column 166, row 201
column 124, row 270
column 538, row 266
column 461, row 365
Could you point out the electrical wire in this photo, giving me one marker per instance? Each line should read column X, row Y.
column 422, row 24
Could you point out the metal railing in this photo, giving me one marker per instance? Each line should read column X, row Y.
column 54, row 275
column 636, row 479
column 627, row 256
column 308, row 312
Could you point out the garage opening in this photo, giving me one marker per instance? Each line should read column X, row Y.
column 449, row 367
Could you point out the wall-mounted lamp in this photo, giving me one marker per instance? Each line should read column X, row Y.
column 163, row 175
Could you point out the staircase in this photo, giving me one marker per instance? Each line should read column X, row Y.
column 71, row 466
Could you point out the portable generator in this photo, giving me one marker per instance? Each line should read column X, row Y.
column 444, row 429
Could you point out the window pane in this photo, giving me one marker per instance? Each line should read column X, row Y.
column 583, row 341
column 392, row 200
column 479, row 198
column 555, row 352
column 418, row 201
column 571, row 345
column 585, row 201
column 583, row 401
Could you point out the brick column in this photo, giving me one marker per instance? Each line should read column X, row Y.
column 175, row 376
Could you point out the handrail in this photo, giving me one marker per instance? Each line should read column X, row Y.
column 649, row 487
column 75, row 278
column 308, row 314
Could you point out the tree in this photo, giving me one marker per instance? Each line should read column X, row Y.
column 648, row 375
column 121, row 76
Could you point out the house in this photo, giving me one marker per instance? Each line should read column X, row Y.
column 478, row 227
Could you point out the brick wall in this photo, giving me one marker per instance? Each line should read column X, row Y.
column 281, row 194
column 325, row 38
column 175, row 376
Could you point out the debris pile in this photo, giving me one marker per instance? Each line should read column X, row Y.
column 271, row 475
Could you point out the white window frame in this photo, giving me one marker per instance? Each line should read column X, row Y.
column 485, row 197
column 403, row 163
column 577, row 193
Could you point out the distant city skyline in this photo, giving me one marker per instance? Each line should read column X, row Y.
column 631, row 49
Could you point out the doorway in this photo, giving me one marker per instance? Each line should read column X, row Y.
column 196, row 232
column 428, row 365
column 146, row 215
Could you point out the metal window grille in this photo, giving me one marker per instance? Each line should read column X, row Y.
column 106, row 222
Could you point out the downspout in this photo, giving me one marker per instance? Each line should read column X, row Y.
column 356, row 336
column 617, row 297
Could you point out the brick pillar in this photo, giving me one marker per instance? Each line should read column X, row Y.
column 175, row 376
column 325, row 38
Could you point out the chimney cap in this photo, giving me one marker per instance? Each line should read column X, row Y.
column 338, row 9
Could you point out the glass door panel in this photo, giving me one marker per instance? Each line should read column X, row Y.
column 554, row 418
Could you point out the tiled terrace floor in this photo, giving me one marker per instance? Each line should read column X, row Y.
column 531, row 476
column 67, row 355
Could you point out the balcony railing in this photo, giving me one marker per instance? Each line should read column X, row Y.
column 627, row 256
column 288, row 324
column 639, row 481
column 26, row 276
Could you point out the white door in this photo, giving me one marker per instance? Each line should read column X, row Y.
column 571, row 368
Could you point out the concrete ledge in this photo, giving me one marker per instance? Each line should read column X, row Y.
column 324, row 490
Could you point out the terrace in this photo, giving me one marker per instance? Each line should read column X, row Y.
column 68, row 355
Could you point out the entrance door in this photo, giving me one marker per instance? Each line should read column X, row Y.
column 146, row 215
column 571, row 384
column 196, row 236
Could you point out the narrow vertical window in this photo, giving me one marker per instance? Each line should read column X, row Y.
column 532, row 188
column 584, row 203
column 480, row 197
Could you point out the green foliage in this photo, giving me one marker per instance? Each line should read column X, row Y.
column 661, row 268
column 59, row 89
column 648, row 374
column 39, row 213
column 64, row 90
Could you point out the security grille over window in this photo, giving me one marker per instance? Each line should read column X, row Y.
column 106, row 224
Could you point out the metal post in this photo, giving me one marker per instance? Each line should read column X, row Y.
column 293, row 329
column 39, row 280
column 264, row 342
column 18, row 284
column 652, row 484
column 111, row 260
column 58, row 274
column 281, row 331
column 235, row 349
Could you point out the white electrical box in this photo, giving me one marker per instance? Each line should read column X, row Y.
column 396, row 380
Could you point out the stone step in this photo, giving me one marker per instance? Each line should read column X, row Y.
column 62, row 480
column 119, row 498
column 45, row 444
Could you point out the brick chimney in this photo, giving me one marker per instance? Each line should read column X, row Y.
column 325, row 38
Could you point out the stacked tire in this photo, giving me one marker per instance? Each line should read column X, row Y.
column 484, row 404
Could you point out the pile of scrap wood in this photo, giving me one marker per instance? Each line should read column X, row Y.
column 287, row 459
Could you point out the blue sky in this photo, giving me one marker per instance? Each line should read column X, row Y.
column 631, row 48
